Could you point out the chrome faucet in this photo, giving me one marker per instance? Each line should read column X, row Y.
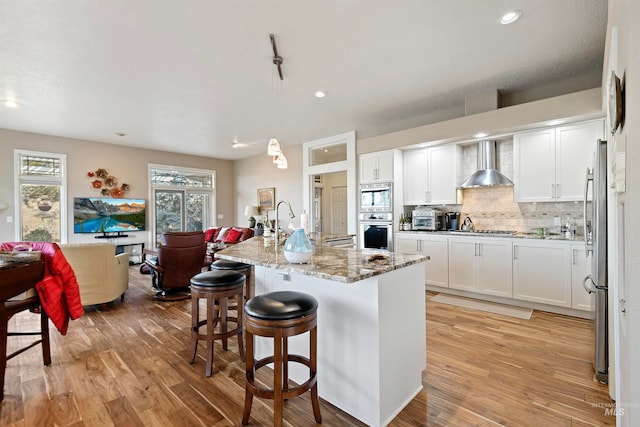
column 291, row 215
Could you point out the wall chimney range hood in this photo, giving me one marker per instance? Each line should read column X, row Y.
column 487, row 175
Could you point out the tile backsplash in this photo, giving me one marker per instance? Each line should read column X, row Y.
column 493, row 208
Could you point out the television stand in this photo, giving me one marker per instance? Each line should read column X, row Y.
column 135, row 251
column 116, row 235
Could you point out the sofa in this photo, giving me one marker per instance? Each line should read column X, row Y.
column 227, row 235
column 102, row 275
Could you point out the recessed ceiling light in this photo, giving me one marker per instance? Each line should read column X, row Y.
column 320, row 94
column 121, row 134
column 510, row 17
column 11, row 104
column 480, row 135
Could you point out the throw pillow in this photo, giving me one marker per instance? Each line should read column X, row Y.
column 232, row 236
column 221, row 235
column 210, row 234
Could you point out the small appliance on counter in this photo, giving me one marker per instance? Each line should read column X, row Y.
column 425, row 218
column 467, row 225
column 451, row 220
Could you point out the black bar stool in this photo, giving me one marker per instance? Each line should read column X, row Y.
column 240, row 267
column 280, row 315
column 217, row 287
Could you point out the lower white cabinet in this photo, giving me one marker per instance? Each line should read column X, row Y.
column 542, row 272
column 482, row 265
column 580, row 268
column 549, row 272
column 437, row 267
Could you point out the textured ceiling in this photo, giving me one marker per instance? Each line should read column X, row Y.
column 195, row 76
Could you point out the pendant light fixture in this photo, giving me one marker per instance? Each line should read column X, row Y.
column 273, row 148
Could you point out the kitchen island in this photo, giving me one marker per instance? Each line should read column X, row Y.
column 371, row 322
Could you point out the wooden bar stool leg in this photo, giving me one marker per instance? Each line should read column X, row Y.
column 223, row 320
column 277, row 380
column 195, row 318
column 250, row 372
column 285, row 363
column 240, row 314
column 313, row 348
column 210, row 320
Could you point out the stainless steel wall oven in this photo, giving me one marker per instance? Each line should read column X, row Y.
column 376, row 231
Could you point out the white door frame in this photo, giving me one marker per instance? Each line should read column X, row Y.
column 349, row 165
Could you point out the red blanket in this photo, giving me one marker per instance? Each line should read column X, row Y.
column 58, row 290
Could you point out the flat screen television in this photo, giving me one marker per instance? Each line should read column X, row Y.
column 108, row 215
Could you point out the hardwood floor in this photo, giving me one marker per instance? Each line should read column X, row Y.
column 128, row 366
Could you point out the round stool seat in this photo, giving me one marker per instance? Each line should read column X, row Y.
column 225, row 264
column 217, row 279
column 281, row 305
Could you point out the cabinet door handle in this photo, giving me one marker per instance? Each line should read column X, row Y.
column 553, row 191
column 514, row 252
column 479, row 249
column 557, row 191
column 573, row 257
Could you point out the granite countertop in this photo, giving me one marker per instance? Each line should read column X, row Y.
column 343, row 265
column 507, row 235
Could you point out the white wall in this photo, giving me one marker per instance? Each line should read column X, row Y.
column 128, row 164
column 260, row 172
column 624, row 15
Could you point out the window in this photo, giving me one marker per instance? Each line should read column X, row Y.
column 183, row 199
column 41, row 208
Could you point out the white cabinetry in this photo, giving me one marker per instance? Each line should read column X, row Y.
column 376, row 167
column 482, row 265
column 542, row 272
column 431, row 174
column 437, row 266
column 549, row 164
column 580, row 268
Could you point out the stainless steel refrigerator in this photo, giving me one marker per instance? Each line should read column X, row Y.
column 595, row 236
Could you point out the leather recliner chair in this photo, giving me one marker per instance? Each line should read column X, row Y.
column 180, row 257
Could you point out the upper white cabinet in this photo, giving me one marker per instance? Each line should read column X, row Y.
column 550, row 164
column 482, row 265
column 376, row 167
column 435, row 247
column 431, row 175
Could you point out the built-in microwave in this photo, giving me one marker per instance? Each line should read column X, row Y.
column 376, row 197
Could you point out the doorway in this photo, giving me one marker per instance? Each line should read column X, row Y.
column 329, row 211
column 329, row 193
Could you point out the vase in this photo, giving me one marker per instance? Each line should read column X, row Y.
column 297, row 248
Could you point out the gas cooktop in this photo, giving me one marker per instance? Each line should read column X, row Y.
column 484, row 232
